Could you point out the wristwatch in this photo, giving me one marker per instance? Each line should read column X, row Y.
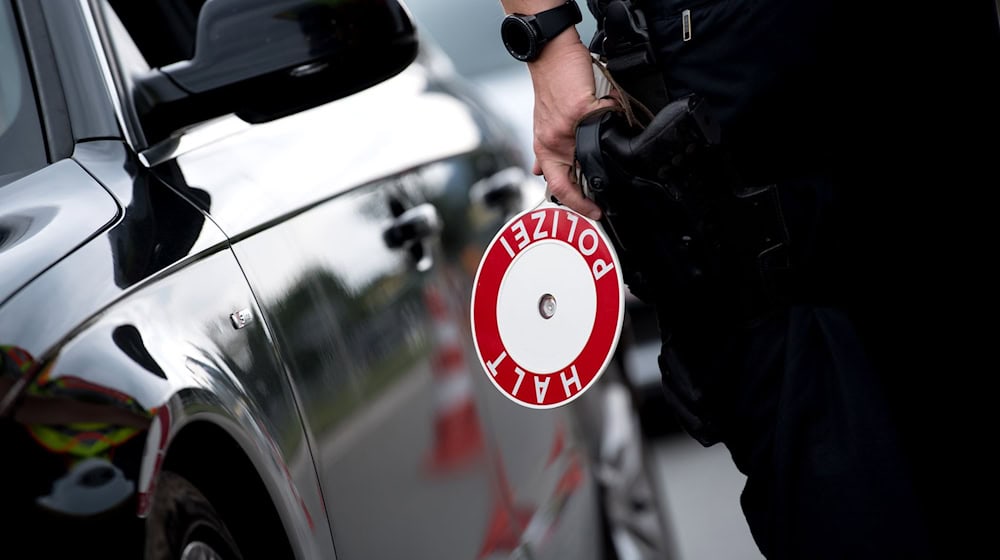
column 525, row 35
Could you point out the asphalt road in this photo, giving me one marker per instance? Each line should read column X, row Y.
column 702, row 491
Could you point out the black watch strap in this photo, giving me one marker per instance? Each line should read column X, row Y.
column 525, row 36
column 554, row 21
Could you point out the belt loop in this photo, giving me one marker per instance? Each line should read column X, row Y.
column 629, row 54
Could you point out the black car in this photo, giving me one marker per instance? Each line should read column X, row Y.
column 237, row 239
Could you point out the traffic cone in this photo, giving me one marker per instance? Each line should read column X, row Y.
column 558, row 445
column 458, row 438
column 509, row 521
column 570, row 480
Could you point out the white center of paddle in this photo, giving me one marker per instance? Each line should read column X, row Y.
column 538, row 338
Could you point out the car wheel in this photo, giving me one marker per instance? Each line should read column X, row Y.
column 635, row 519
column 183, row 525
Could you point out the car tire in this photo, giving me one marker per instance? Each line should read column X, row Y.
column 636, row 525
column 183, row 525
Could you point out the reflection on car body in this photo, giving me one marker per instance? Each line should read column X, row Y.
column 343, row 414
column 505, row 85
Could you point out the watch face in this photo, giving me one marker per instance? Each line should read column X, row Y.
column 519, row 38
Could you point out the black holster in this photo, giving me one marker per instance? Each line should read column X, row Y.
column 691, row 234
column 693, row 240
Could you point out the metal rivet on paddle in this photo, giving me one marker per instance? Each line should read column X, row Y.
column 547, row 306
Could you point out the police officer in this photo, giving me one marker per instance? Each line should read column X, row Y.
column 778, row 371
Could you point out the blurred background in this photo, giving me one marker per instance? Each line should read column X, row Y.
column 702, row 486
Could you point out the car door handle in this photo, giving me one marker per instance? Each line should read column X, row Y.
column 415, row 224
column 502, row 190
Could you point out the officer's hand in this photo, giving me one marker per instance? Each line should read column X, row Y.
column 563, row 78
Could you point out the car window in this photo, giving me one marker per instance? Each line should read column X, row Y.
column 22, row 148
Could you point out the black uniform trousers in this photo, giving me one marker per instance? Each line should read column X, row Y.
column 814, row 398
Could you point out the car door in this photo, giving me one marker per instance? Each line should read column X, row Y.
column 329, row 216
column 327, row 212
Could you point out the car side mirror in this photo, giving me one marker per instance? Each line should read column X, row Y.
column 264, row 59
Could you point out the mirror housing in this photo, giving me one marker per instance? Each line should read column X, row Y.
column 265, row 59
